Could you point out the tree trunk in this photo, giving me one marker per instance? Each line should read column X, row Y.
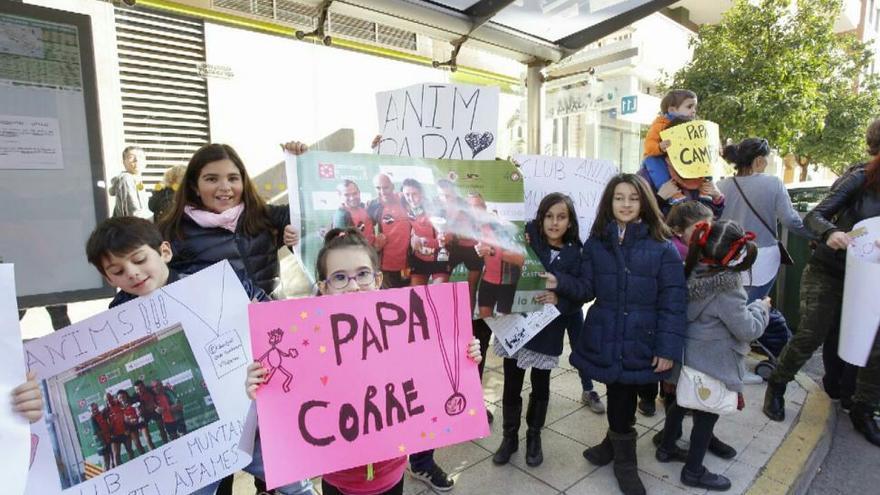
column 804, row 168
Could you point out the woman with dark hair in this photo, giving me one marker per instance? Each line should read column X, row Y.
column 218, row 215
column 855, row 197
column 424, row 245
column 759, row 202
column 634, row 330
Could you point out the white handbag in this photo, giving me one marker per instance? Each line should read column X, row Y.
column 697, row 390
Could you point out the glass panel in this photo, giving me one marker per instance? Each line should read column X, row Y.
column 459, row 5
column 555, row 19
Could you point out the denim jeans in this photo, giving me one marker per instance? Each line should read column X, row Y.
column 777, row 333
column 257, row 469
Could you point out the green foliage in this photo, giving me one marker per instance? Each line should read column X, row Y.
column 776, row 69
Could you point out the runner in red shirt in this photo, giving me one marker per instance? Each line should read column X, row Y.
column 392, row 241
column 424, row 243
column 352, row 213
column 170, row 409
column 148, row 412
column 461, row 235
column 118, row 433
column 101, row 429
column 132, row 419
column 503, row 265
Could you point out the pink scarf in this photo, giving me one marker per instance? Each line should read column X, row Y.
column 208, row 219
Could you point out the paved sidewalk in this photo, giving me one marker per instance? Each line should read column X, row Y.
column 572, row 427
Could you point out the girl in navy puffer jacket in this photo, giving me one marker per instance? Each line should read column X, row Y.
column 635, row 328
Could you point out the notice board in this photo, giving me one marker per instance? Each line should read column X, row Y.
column 50, row 154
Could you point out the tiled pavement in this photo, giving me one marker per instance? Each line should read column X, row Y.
column 572, row 427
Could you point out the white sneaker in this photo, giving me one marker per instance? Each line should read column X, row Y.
column 750, row 378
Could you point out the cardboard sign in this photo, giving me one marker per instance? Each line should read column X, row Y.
column 364, row 377
column 860, row 313
column 694, row 148
column 583, row 179
column 437, row 219
column 515, row 331
column 180, row 430
column 454, row 121
column 15, row 434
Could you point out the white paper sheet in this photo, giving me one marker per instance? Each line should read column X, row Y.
column 14, row 430
column 515, row 330
column 860, row 314
column 30, row 143
column 437, row 120
column 583, row 179
column 192, row 337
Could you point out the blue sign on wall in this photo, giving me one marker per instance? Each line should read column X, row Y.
column 629, row 104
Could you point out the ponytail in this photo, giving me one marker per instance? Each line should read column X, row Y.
column 743, row 154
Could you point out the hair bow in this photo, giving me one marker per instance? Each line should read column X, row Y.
column 701, row 234
column 736, row 246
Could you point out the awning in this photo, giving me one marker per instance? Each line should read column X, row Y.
column 530, row 31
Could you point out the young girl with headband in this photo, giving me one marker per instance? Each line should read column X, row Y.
column 348, row 263
column 720, row 327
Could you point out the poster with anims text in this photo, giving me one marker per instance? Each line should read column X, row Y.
column 147, row 397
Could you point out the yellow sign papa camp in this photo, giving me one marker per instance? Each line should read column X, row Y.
column 694, row 148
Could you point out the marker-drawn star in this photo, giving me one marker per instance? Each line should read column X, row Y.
column 401, row 448
column 306, row 344
column 304, row 315
column 319, row 311
column 431, row 435
column 434, row 419
column 322, row 349
column 424, row 435
column 472, row 412
column 317, row 328
column 448, row 429
column 293, row 329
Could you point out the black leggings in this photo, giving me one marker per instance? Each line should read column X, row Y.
column 701, row 434
column 513, row 382
column 328, row 489
column 484, row 334
column 621, row 411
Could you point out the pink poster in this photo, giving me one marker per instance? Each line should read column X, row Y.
column 364, row 377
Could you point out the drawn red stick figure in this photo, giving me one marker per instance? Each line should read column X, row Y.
column 274, row 358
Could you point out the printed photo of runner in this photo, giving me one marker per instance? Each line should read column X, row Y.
column 125, row 403
column 431, row 221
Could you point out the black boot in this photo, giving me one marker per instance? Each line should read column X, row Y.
column 600, row 455
column 626, row 468
column 536, row 414
column 774, row 401
column 510, row 413
column 863, row 421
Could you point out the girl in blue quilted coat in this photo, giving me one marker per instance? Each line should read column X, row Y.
column 635, row 328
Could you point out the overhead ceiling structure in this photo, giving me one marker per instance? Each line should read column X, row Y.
column 535, row 32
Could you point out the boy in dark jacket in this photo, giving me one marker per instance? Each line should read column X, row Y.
column 131, row 255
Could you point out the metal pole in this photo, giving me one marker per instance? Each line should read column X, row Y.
column 534, row 82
